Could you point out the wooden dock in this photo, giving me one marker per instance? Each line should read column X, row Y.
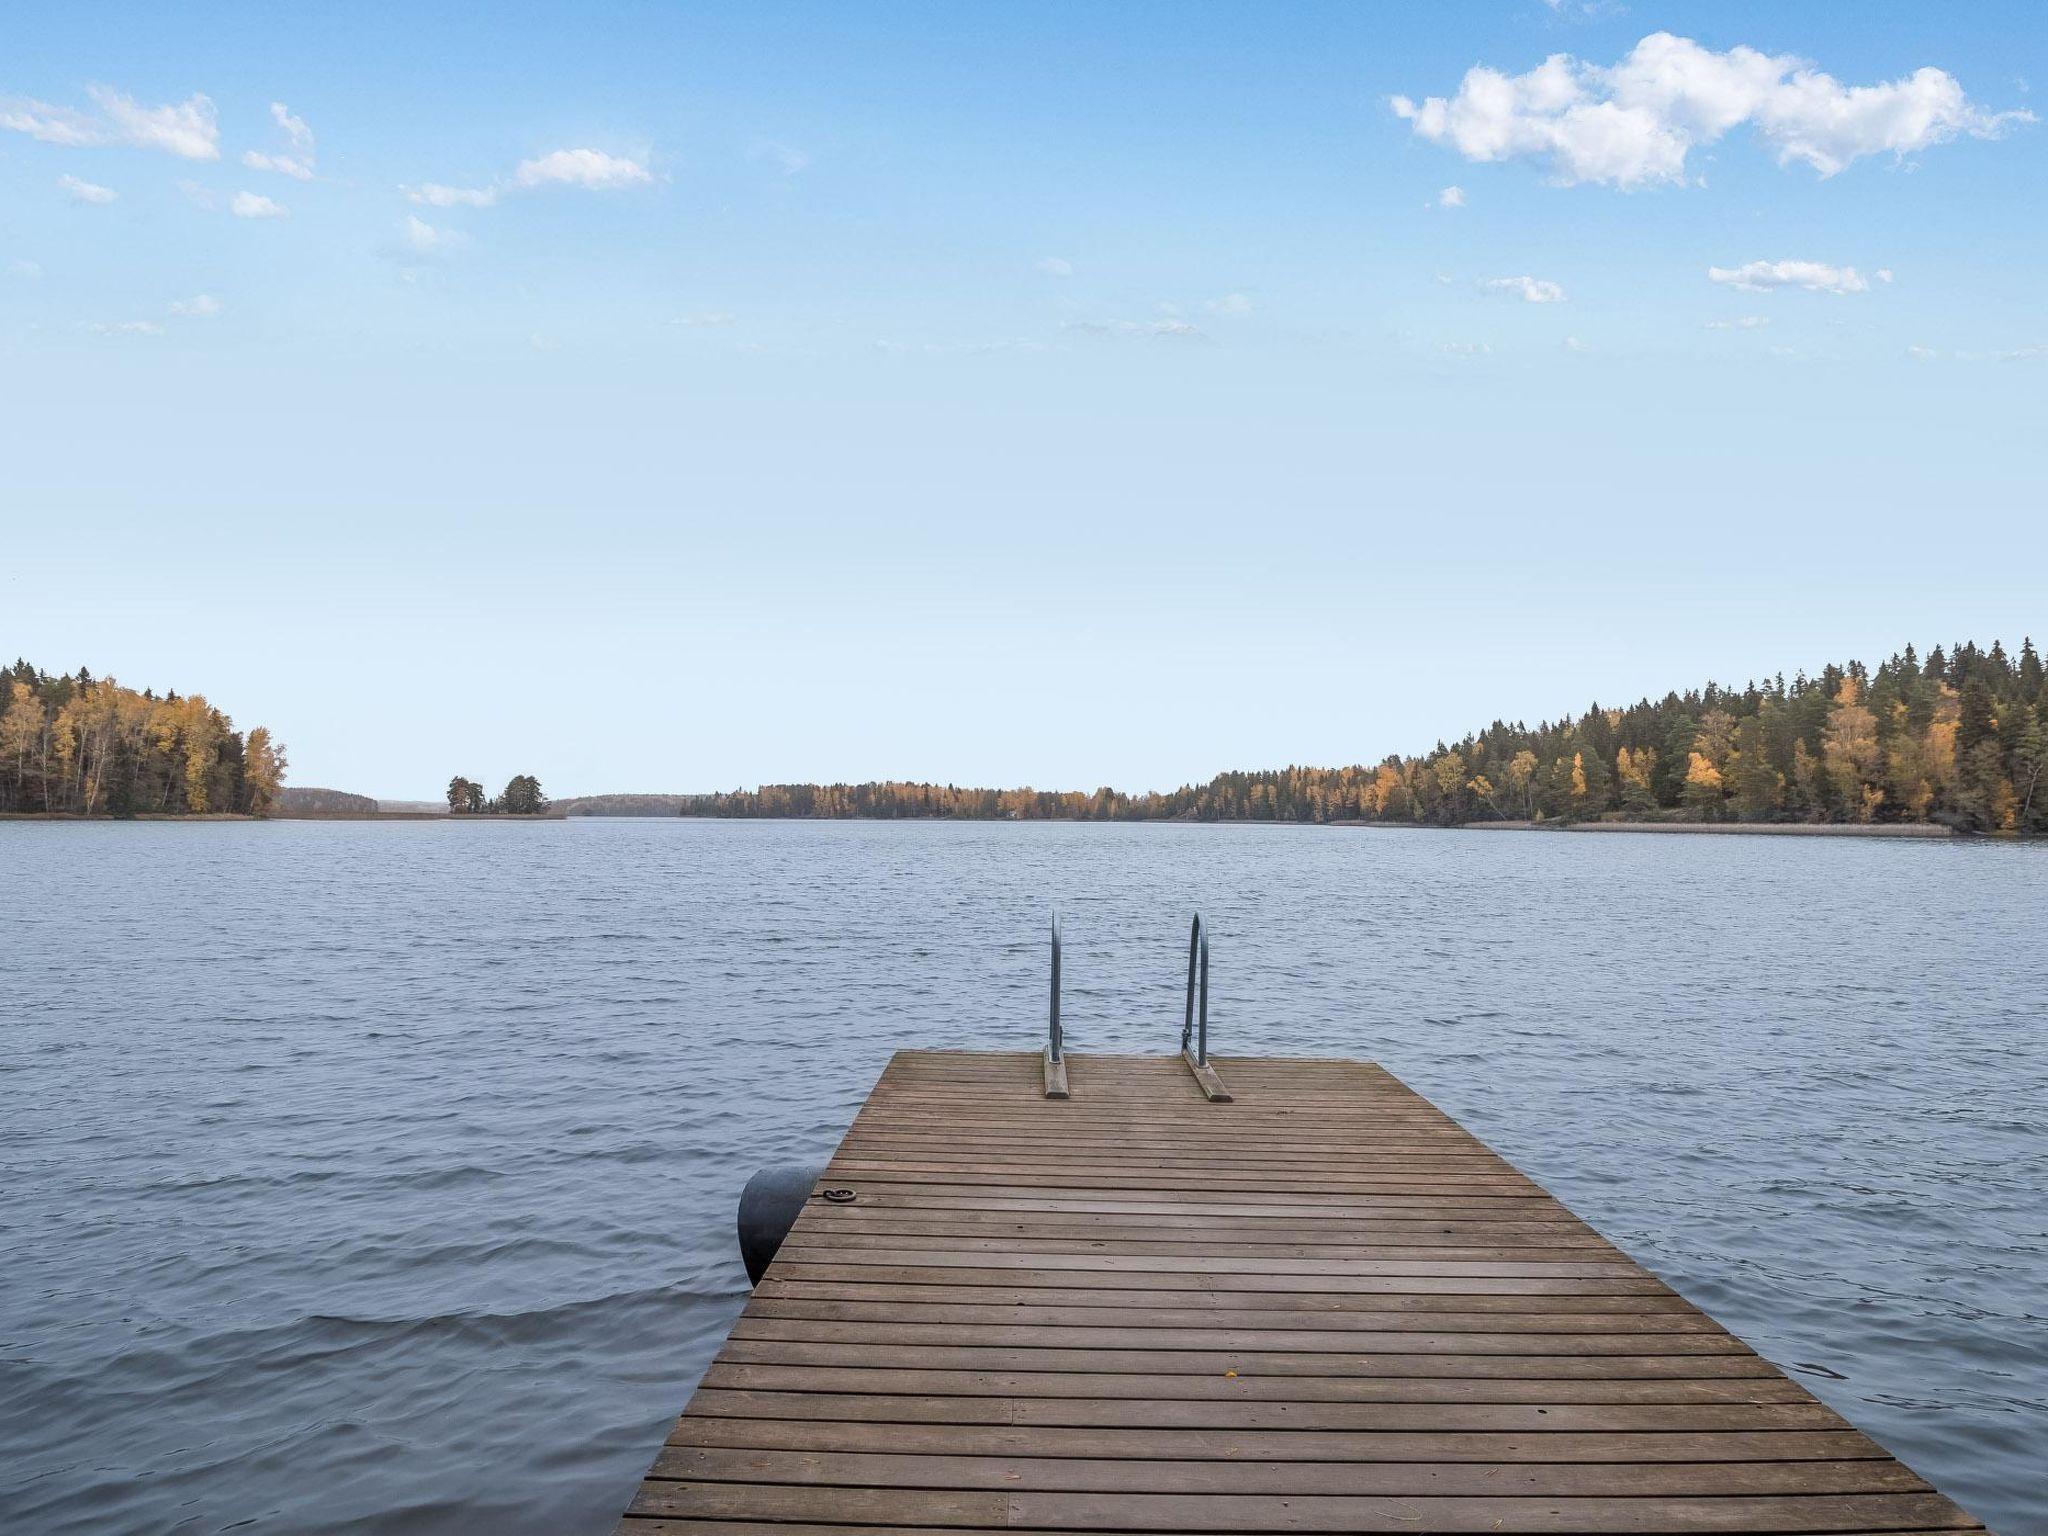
column 1322, row 1306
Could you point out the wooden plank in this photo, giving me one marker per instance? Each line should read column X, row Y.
column 1114, row 1166
column 909, row 1407
column 1221, row 1321
column 955, row 1509
column 1317, row 1304
column 657, row 1526
column 1249, row 1309
column 1239, row 1445
column 1212, row 1387
column 972, row 1253
column 991, row 1128
column 1172, row 1175
column 1523, row 1207
column 1206, row 1079
column 1184, row 1245
column 1203, row 1362
column 1167, row 1277
column 1225, row 1229
column 1180, row 1338
column 1394, row 1479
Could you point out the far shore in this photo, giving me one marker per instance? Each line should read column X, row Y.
column 1730, row 828
column 278, row 816
column 1913, row 831
column 412, row 816
column 138, row 816
column 363, row 816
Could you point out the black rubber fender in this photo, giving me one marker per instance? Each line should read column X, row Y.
column 769, row 1206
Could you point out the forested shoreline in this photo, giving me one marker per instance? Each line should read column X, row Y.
column 85, row 746
column 312, row 800
column 1959, row 739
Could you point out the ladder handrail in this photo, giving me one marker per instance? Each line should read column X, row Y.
column 1054, row 1049
column 1195, row 1024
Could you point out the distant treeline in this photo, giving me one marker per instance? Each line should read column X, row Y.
column 309, row 800
column 621, row 805
column 1959, row 739
column 87, row 746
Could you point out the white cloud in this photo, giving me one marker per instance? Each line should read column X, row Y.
column 1573, row 344
column 1814, row 276
column 957, row 348
column 991, row 348
column 85, row 191
column 186, row 128
column 563, row 167
column 1451, row 197
column 1232, row 306
column 1633, row 123
column 1055, row 266
column 1166, row 328
column 201, row 306
column 431, row 194
column 2029, row 354
column 419, row 239
column 582, row 168
column 254, row 205
column 298, row 163
column 1467, row 348
column 1740, row 323
column 24, row 268
column 704, row 317
column 284, row 165
column 199, row 197
column 295, row 128
column 1534, row 290
column 53, row 125
column 785, row 157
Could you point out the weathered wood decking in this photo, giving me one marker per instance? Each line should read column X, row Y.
column 1321, row 1307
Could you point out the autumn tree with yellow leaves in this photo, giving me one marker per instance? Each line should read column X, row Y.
column 1960, row 738
column 86, row 746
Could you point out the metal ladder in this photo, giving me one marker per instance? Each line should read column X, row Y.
column 1194, row 1029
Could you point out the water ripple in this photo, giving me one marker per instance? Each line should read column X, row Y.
column 381, row 1178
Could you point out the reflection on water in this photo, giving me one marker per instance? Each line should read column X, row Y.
column 381, row 1177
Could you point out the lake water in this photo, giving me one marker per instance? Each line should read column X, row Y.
column 380, row 1178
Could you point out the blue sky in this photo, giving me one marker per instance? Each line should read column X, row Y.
column 1055, row 394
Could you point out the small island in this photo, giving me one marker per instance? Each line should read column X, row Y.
column 521, row 796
